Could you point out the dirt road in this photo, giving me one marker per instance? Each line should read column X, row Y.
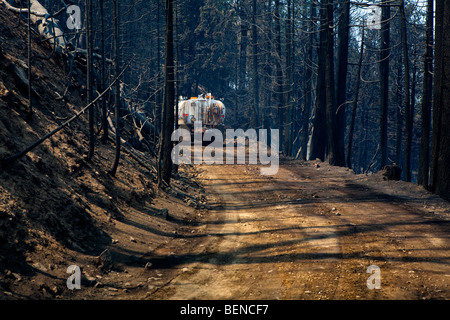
column 311, row 232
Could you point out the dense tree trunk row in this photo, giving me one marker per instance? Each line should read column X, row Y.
column 292, row 65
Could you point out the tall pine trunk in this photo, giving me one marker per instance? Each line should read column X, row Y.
column 167, row 125
column 408, row 111
column 332, row 141
column 242, row 77
column 424, row 158
column 308, row 83
column 89, row 84
column 355, row 103
column 384, row 81
column 102, row 74
column 319, row 134
column 258, row 119
column 289, row 89
column 117, row 86
column 279, row 83
column 440, row 147
column 29, row 74
column 341, row 85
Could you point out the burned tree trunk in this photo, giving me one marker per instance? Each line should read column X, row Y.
column 319, row 134
column 355, row 103
column 384, row 81
column 341, row 85
column 424, row 158
column 440, row 154
column 165, row 147
column 334, row 157
column 408, row 112
column 117, row 88
column 89, row 77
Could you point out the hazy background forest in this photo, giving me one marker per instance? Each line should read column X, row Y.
column 266, row 61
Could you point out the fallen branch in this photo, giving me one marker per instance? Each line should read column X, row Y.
column 95, row 55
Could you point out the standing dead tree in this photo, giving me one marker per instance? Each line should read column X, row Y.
column 440, row 146
column 424, row 159
column 384, row 80
column 408, row 111
column 117, row 88
column 89, row 77
column 165, row 149
column 355, row 103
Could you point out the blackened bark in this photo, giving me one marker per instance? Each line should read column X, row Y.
column 279, row 85
column 289, row 86
column 102, row 74
column 319, row 134
column 167, row 125
column 29, row 74
column 89, row 84
column 308, row 84
column 341, row 86
column 332, row 141
column 355, row 103
column 384, row 81
column 440, row 154
column 258, row 119
column 408, row 112
column 117, row 87
column 424, row 158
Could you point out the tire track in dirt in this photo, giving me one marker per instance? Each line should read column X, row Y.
column 218, row 274
column 390, row 229
column 260, row 245
column 310, row 233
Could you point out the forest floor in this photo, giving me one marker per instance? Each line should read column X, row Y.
column 309, row 232
column 220, row 232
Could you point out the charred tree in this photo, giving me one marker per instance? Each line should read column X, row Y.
column 341, row 85
column 289, row 81
column 243, row 44
column 384, row 80
column 89, row 77
column 307, row 83
column 279, row 83
column 319, row 134
column 117, row 87
column 30, row 102
column 334, row 158
column 167, row 125
column 355, row 103
column 440, row 147
column 103, row 74
column 256, row 82
column 408, row 111
column 424, row 158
